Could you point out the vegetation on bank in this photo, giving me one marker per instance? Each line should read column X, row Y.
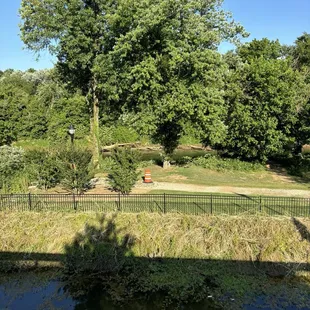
column 171, row 85
column 70, row 169
column 186, row 258
column 248, row 238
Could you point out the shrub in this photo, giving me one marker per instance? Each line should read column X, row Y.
column 213, row 162
column 11, row 164
column 11, row 159
column 76, row 170
column 124, row 175
column 106, row 163
column 43, row 167
column 117, row 134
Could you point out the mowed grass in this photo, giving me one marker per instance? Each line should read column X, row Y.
column 201, row 176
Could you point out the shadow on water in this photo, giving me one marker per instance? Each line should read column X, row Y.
column 99, row 271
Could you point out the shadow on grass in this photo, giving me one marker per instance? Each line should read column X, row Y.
column 290, row 170
column 101, row 260
column 302, row 229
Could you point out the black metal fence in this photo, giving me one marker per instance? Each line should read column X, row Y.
column 163, row 203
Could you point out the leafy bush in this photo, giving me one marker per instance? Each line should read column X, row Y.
column 76, row 170
column 11, row 163
column 184, row 160
column 147, row 163
column 124, row 134
column 226, row 164
column 17, row 183
column 43, row 167
column 68, row 111
column 106, row 163
column 117, row 134
column 124, row 175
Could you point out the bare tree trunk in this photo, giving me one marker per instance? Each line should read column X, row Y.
column 166, row 164
column 94, row 125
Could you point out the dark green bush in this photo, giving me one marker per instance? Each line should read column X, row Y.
column 76, row 169
column 124, row 175
column 43, row 167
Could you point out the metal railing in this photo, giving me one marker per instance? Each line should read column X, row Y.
column 163, row 203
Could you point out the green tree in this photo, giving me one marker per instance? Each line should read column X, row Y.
column 142, row 56
column 15, row 96
column 263, row 99
column 123, row 174
column 76, row 169
column 301, row 51
column 260, row 48
column 166, row 70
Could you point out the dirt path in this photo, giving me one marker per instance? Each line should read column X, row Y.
column 227, row 189
column 142, row 188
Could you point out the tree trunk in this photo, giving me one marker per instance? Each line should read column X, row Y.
column 166, row 164
column 94, row 125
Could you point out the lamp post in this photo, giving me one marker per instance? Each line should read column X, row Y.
column 71, row 132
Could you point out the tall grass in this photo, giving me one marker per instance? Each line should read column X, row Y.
column 170, row 236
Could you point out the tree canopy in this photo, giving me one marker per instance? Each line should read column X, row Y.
column 134, row 69
column 146, row 57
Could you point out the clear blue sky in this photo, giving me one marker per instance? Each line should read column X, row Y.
column 275, row 19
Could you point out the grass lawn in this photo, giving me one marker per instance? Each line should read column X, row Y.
column 202, row 176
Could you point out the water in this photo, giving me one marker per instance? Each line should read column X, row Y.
column 39, row 291
column 178, row 154
column 36, row 291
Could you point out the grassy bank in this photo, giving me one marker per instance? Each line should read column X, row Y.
column 188, row 257
column 173, row 236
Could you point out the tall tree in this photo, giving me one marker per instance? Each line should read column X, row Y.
column 300, row 53
column 263, row 99
column 15, row 97
column 150, row 55
column 264, row 48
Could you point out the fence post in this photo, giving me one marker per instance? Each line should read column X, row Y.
column 260, row 203
column 74, row 202
column 164, row 202
column 119, row 201
column 29, row 201
column 211, row 198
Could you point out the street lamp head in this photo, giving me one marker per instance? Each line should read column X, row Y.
column 71, row 130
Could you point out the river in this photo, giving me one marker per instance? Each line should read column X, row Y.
column 40, row 291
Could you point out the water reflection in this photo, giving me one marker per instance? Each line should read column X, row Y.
column 177, row 155
column 38, row 291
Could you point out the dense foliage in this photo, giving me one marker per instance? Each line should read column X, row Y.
column 76, row 169
column 151, row 70
column 11, row 164
column 123, row 173
column 70, row 167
